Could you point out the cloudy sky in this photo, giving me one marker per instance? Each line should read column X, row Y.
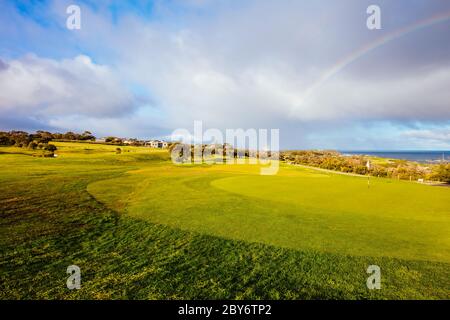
column 309, row 68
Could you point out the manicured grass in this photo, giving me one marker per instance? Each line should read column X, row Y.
column 298, row 208
column 141, row 228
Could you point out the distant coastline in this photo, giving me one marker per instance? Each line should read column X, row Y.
column 433, row 156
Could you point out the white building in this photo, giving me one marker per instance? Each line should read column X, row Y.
column 157, row 144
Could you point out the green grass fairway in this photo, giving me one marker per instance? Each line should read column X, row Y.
column 298, row 208
column 141, row 227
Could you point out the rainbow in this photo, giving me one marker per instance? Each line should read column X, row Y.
column 344, row 62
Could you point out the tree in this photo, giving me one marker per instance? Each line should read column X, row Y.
column 113, row 140
column 50, row 147
column 441, row 173
column 4, row 139
column 43, row 136
column 32, row 145
column 70, row 136
column 87, row 135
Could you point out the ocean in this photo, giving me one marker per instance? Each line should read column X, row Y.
column 417, row 156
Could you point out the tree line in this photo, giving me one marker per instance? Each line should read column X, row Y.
column 40, row 140
column 331, row 160
column 223, row 152
column 20, row 138
column 398, row 169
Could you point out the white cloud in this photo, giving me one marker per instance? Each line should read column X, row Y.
column 46, row 88
column 243, row 65
column 423, row 96
column 254, row 67
column 437, row 135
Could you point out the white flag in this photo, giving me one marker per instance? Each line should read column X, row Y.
column 368, row 165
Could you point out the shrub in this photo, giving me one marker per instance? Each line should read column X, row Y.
column 50, row 147
column 441, row 173
column 32, row 145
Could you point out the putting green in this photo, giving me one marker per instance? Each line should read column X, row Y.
column 297, row 208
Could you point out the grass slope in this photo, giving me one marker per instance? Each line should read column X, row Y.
column 49, row 221
column 298, row 208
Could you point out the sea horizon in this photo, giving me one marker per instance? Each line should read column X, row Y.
column 411, row 155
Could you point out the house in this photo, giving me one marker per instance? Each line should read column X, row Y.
column 157, row 144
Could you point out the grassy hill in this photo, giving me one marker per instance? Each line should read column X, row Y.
column 141, row 228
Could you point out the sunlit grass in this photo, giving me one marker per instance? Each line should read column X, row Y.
column 140, row 227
